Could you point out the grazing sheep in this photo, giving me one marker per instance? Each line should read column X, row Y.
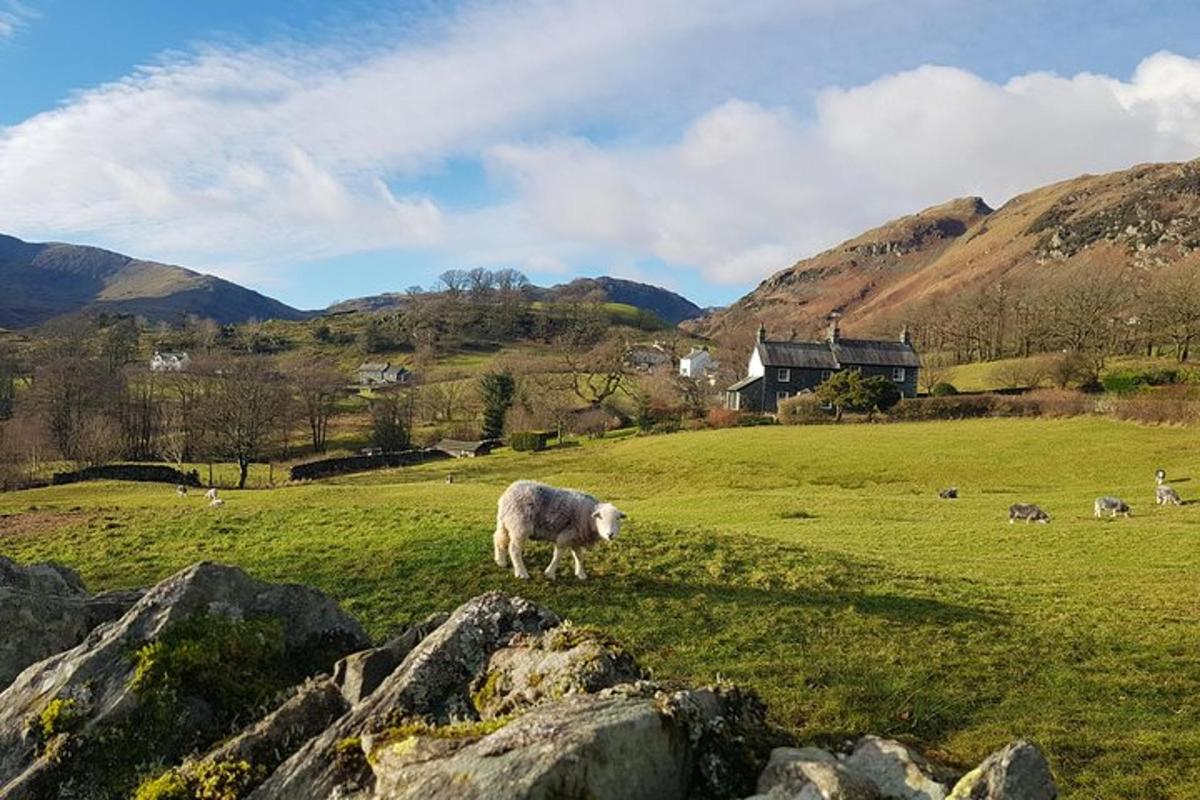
column 948, row 494
column 181, row 490
column 211, row 494
column 1160, row 476
column 216, row 502
column 1113, row 505
column 571, row 520
column 1166, row 496
column 1027, row 512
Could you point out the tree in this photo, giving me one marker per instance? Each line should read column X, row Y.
column 1173, row 302
column 849, row 389
column 391, row 421
column 496, row 390
column 69, row 393
column 119, row 343
column 244, row 401
column 599, row 373
column 934, row 370
column 317, row 387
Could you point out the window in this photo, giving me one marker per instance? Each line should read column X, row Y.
column 825, row 375
column 734, row 400
column 779, row 396
column 785, row 375
column 898, row 374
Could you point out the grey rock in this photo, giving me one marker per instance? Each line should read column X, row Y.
column 533, row 670
column 359, row 674
column 896, row 772
column 1019, row 771
column 96, row 674
column 627, row 742
column 45, row 609
column 431, row 685
column 808, row 773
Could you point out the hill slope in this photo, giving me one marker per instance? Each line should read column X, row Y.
column 663, row 303
column 41, row 281
column 1146, row 216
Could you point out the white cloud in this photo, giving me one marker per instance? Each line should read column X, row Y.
column 748, row 189
column 247, row 159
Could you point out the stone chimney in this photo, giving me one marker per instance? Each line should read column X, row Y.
column 835, row 332
column 762, row 332
column 905, row 338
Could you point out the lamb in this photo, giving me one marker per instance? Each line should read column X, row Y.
column 1166, row 496
column 571, row 520
column 211, row 494
column 948, row 494
column 181, row 490
column 1027, row 512
column 216, row 502
column 1113, row 505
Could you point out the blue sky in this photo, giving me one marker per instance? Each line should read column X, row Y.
column 319, row 151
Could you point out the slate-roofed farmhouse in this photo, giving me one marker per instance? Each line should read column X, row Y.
column 782, row 369
column 375, row 373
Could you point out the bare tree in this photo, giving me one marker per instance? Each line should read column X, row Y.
column 242, row 405
column 599, row 373
column 1173, row 302
column 317, row 386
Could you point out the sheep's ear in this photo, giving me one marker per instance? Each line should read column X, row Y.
column 595, row 515
column 622, row 515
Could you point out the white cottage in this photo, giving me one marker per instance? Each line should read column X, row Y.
column 697, row 363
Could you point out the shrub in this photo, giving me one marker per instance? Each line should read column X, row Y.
column 722, row 417
column 942, row 407
column 943, row 389
column 592, row 422
column 1163, row 407
column 803, row 409
column 754, row 420
column 206, row 780
column 527, row 441
column 666, row 426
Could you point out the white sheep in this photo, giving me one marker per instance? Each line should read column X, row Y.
column 1166, row 496
column 571, row 520
column 1113, row 505
column 211, row 494
column 181, row 490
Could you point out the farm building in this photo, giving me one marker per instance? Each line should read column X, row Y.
column 380, row 373
column 782, row 369
column 697, row 363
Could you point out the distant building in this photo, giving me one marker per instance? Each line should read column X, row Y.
column 461, row 449
column 648, row 357
column 381, row 373
column 697, row 363
column 782, row 369
column 169, row 362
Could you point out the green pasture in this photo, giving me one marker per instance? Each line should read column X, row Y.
column 815, row 564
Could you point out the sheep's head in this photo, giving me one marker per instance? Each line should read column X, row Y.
column 607, row 519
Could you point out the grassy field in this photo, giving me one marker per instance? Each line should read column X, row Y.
column 813, row 563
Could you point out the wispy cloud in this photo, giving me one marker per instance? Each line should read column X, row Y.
column 14, row 15
column 625, row 134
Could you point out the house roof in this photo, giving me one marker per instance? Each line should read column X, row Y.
column 744, row 382
column 875, row 353
column 842, row 353
column 697, row 352
column 373, row 366
column 803, row 355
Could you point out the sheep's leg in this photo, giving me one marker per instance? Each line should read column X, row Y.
column 580, row 572
column 552, row 570
column 500, row 545
column 514, row 552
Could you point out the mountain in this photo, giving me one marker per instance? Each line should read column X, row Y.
column 1146, row 216
column 663, row 303
column 41, row 281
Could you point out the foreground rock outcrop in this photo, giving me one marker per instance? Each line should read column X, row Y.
column 190, row 658
column 215, row 686
column 45, row 609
